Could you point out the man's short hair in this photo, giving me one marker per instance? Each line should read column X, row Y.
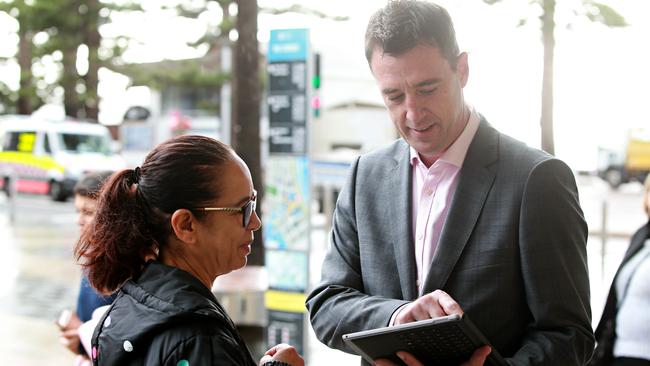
column 403, row 24
column 90, row 185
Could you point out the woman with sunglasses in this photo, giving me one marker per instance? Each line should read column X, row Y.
column 162, row 234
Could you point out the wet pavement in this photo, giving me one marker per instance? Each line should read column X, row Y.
column 38, row 279
column 38, row 276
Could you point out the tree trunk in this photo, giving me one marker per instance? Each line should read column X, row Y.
column 24, row 104
column 246, row 106
column 69, row 81
column 224, row 45
column 92, row 39
column 548, row 38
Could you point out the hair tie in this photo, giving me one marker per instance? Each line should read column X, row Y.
column 136, row 175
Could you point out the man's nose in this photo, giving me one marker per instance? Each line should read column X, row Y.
column 414, row 111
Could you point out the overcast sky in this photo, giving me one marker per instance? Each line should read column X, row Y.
column 601, row 75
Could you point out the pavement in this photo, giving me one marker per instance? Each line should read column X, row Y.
column 38, row 277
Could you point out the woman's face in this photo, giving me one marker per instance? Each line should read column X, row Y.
column 223, row 240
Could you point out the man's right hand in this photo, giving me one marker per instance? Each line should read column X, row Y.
column 432, row 305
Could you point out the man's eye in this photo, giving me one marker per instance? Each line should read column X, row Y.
column 395, row 98
column 427, row 91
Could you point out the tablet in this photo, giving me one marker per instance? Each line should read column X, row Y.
column 448, row 340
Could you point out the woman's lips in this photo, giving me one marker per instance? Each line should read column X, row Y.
column 246, row 247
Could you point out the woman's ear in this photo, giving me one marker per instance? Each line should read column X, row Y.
column 183, row 225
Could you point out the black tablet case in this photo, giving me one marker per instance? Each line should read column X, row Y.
column 444, row 341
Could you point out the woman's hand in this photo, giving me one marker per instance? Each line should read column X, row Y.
column 283, row 353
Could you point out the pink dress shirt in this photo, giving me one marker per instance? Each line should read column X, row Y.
column 433, row 190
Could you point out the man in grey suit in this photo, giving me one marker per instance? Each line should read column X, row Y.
column 454, row 217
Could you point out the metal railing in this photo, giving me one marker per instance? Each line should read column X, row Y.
column 604, row 234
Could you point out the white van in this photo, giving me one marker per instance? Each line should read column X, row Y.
column 49, row 157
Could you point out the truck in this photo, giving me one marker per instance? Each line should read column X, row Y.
column 630, row 163
column 49, row 157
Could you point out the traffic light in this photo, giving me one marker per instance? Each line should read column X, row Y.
column 315, row 84
column 315, row 80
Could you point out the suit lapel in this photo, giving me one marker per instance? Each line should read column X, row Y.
column 402, row 230
column 474, row 183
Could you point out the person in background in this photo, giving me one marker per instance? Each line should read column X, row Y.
column 623, row 333
column 161, row 236
column 85, row 203
column 454, row 217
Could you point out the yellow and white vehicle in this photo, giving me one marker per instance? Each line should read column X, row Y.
column 49, row 157
column 630, row 163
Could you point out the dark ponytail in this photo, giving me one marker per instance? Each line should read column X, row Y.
column 135, row 207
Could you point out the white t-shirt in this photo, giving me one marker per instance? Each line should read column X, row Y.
column 633, row 315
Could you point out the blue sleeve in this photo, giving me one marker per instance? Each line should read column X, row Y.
column 89, row 300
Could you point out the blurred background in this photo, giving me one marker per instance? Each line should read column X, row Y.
column 94, row 85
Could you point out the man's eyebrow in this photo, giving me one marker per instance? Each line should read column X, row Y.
column 389, row 91
column 428, row 82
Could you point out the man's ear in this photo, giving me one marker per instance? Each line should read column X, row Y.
column 184, row 225
column 462, row 68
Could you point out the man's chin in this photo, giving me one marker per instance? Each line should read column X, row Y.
column 426, row 150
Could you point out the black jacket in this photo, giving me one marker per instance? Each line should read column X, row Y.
column 605, row 332
column 164, row 317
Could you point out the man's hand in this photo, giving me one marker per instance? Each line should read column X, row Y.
column 283, row 353
column 477, row 359
column 432, row 305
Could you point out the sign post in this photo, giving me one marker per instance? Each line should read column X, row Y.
column 287, row 195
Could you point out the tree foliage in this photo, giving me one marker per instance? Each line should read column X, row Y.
column 216, row 37
column 56, row 30
column 594, row 11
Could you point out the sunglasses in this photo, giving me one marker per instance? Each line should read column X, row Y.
column 247, row 209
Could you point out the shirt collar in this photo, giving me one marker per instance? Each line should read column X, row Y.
column 455, row 154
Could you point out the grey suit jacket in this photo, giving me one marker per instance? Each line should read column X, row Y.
column 512, row 251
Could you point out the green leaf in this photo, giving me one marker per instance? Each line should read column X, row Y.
column 601, row 13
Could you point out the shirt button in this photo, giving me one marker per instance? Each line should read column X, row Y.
column 420, row 236
column 428, row 192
